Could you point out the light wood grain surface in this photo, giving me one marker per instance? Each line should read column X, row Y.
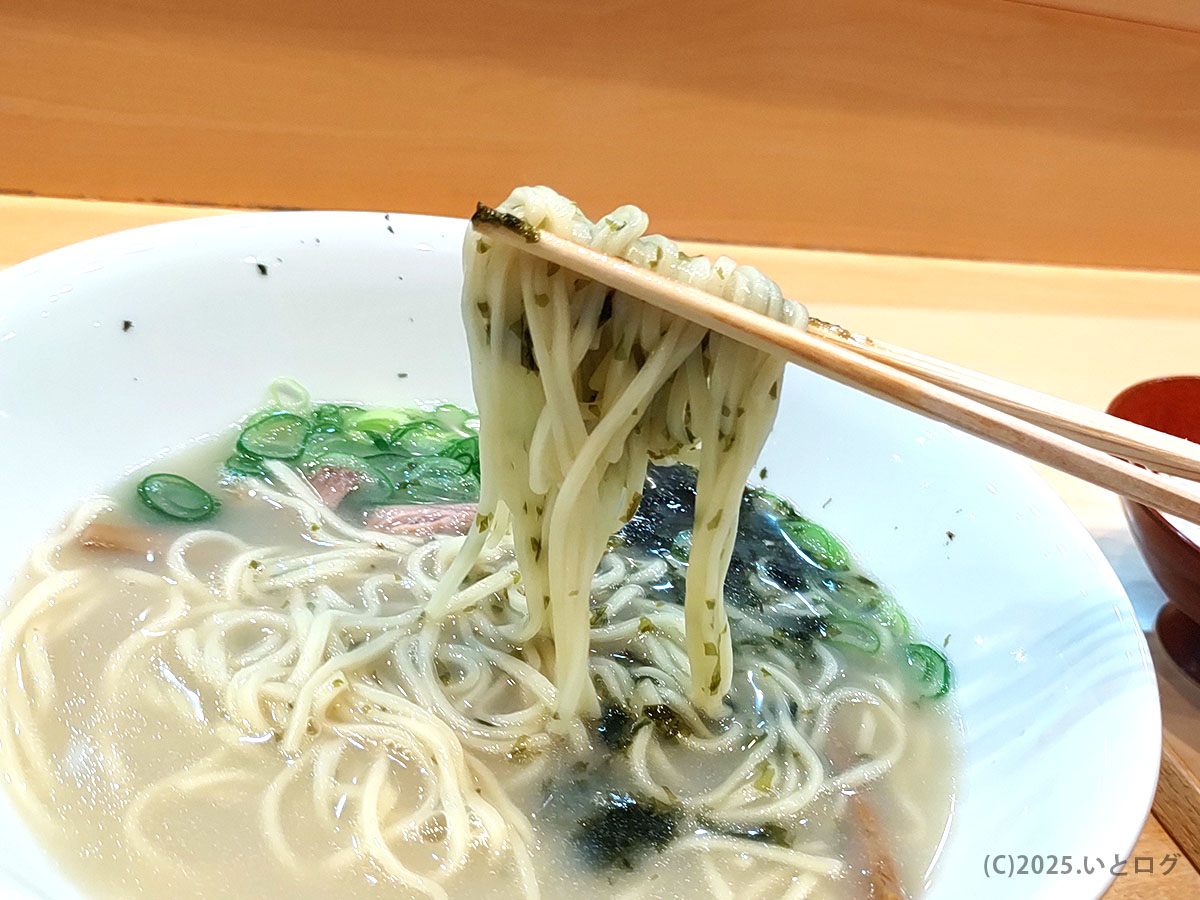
column 1175, row 800
column 1052, row 131
column 1084, row 335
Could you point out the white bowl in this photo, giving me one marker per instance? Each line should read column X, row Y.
column 1054, row 681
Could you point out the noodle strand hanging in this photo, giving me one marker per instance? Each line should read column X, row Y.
column 579, row 387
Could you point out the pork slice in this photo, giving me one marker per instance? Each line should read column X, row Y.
column 120, row 538
column 422, row 520
column 333, row 483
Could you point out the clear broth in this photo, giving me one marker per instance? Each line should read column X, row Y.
column 213, row 838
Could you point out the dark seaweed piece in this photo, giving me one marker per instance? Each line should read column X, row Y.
column 606, row 308
column 789, row 577
column 485, row 215
column 666, row 720
column 630, row 659
column 625, row 830
column 801, row 628
column 667, row 510
column 668, row 503
column 764, row 833
column 520, row 330
column 795, row 636
column 615, row 728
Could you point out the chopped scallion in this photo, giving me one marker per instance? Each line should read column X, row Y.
column 176, row 497
column 929, row 668
column 852, row 634
column 816, row 543
column 278, row 436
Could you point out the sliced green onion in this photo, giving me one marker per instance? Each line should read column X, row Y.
column 244, row 464
column 408, row 454
column 384, row 425
column 176, row 497
column 373, row 485
column 929, row 668
column 816, row 543
column 775, row 503
column 379, row 439
column 465, row 449
column 395, row 466
column 278, row 436
column 321, row 442
column 290, row 396
column 383, row 422
column 681, row 547
column 331, row 417
column 894, row 619
column 423, row 439
column 459, row 490
column 848, row 633
column 441, row 480
column 454, row 418
column 427, row 467
column 428, row 479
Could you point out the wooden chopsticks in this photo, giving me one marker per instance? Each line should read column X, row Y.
column 1063, row 435
column 1161, row 452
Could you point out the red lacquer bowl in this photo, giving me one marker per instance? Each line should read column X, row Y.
column 1171, row 405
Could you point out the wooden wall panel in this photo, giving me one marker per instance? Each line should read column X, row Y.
column 984, row 129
